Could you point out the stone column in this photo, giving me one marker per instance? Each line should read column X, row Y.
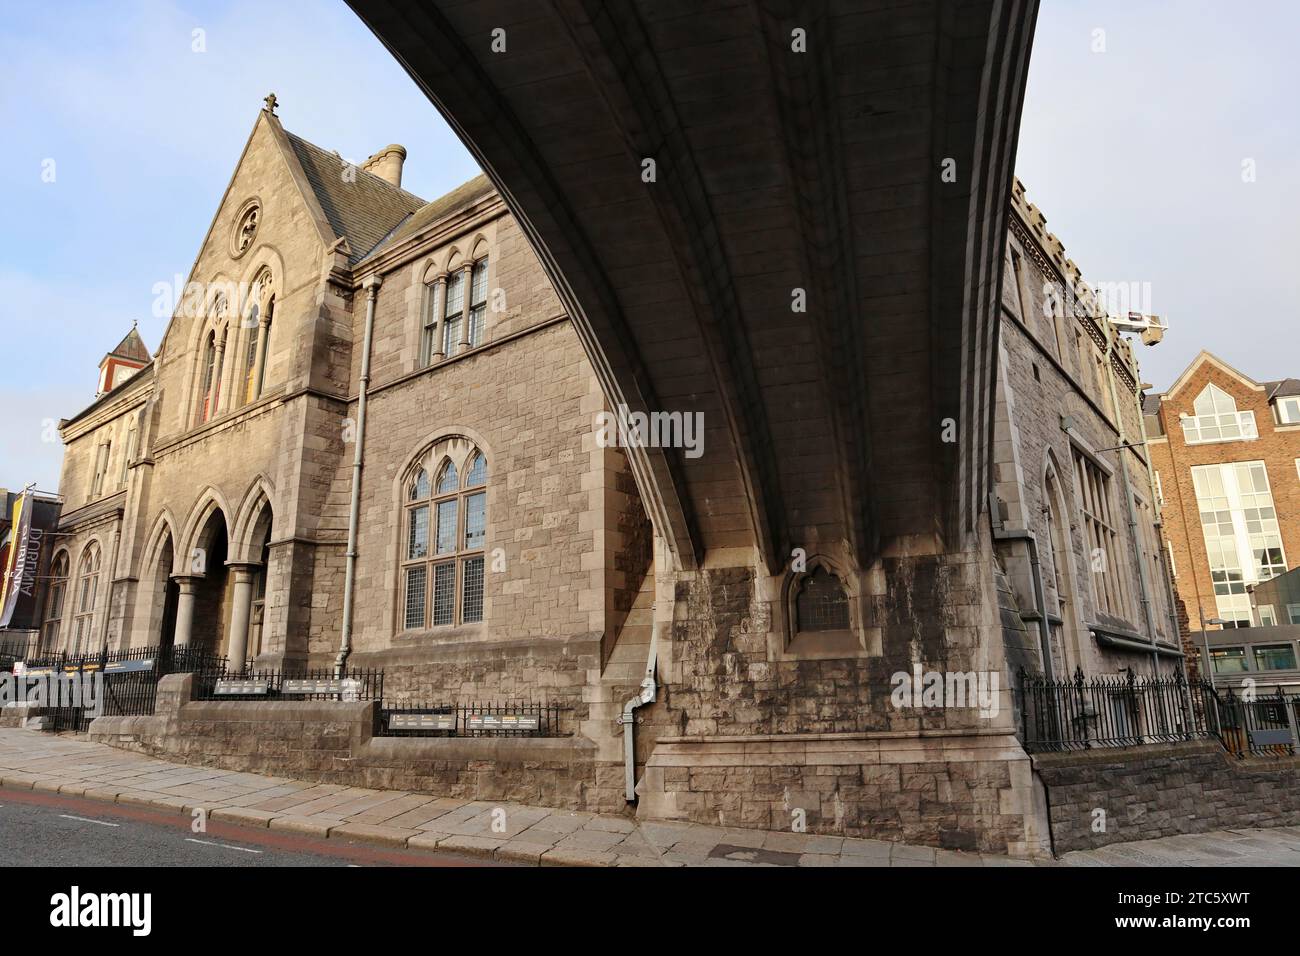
column 466, row 285
column 440, row 308
column 184, row 608
column 241, row 604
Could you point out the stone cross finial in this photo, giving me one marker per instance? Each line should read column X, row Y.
column 270, row 102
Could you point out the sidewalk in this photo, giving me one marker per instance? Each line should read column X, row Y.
column 536, row 835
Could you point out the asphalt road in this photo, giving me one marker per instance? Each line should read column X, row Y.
column 46, row 829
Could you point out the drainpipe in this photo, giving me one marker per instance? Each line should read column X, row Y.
column 371, row 285
column 1040, row 596
column 1111, row 335
column 628, row 717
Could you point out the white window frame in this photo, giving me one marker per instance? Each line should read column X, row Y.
column 1291, row 402
column 1239, row 568
column 1223, row 414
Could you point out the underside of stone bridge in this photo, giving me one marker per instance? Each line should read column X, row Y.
column 787, row 216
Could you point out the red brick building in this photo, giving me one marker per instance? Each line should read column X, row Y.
column 1226, row 452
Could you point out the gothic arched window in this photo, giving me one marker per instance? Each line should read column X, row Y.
column 445, row 531
column 54, row 606
column 85, row 595
column 207, row 396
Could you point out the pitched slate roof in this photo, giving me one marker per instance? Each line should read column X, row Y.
column 1285, row 388
column 132, row 347
column 359, row 205
column 1151, row 402
column 430, row 213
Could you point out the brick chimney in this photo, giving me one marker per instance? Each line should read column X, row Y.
column 387, row 164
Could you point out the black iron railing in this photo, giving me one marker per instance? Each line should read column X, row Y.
column 1080, row 714
column 1084, row 713
column 292, row 683
column 1248, row 725
column 13, row 651
column 518, row 719
column 128, row 684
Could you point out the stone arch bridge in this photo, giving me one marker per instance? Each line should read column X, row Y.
column 788, row 217
column 851, row 159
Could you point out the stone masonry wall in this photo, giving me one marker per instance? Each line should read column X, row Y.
column 1050, row 369
column 931, row 609
column 333, row 742
column 1156, row 791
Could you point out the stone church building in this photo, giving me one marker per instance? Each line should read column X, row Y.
column 367, row 437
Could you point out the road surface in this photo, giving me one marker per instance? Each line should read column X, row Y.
column 48, row 829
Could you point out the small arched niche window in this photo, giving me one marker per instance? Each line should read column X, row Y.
column 445, row 532
column 821, row 603
column 821, row 617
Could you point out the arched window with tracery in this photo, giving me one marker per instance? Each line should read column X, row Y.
column 259, row 336
column 252, row 322
column 444, row 536
column 54, row 605
column 85, row 596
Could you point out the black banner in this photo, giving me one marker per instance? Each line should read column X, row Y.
column 33, row 519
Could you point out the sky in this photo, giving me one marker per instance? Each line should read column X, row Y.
column 145, row 121
column 122, row 126
column 1135, row 156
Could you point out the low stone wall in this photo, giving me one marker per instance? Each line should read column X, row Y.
column 14, row 715
column 333, row 742
column 972, row 791
column 1104, row 796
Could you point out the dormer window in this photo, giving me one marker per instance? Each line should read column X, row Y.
column 1217, row 419
column 1288, row 410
